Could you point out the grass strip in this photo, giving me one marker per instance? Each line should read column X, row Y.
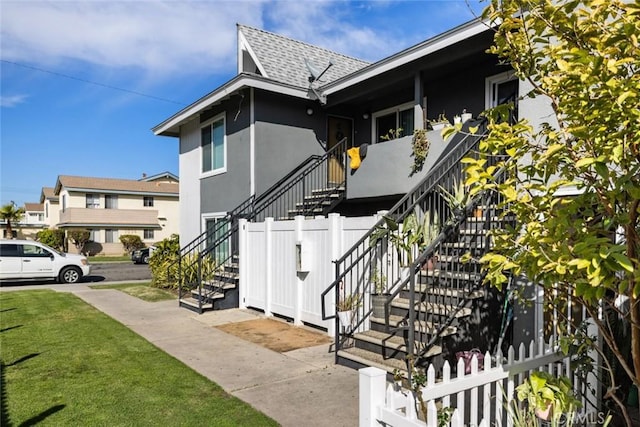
column 65, row 363
column 144, row 291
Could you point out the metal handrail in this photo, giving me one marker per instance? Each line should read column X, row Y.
column 226, row 230
column 451, row 282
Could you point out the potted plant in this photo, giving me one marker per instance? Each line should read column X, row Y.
column 547, row 396
column 440, row 122
column 379, row 295
column 457, row 198
column 345, row 308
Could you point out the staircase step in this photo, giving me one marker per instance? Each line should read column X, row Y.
column 315, row 197
column 304, row 211
column 370, row 358
column 395, row 322
column 312, row 203
column 219, row 285
column 336, row 189
column 194, row 303
column 448, row 292
column 453, row 275
column 439, row 309
column 207, row 295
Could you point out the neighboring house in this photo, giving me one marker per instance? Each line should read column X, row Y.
column 49, row 200
column 32, row 221
column 110, row 208
column 242, row 155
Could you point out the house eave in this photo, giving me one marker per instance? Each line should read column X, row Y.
column 437, row 43
column 122, row 192
column 171, row 126
column 108, row 225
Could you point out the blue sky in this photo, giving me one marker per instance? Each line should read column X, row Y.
column 83, row 82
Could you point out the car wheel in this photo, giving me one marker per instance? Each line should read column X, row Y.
column 145, row 259
column 70, row 275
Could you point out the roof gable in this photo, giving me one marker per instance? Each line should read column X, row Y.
column 48, row 193
column 281, row 59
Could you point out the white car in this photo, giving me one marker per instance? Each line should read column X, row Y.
column 26, row 259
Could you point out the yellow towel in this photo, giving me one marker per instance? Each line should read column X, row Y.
column 354, row 154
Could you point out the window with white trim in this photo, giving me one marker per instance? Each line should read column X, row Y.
column 148, row 234
column 394, row 122
column 503, row 89
column 111, row 201
column 148, row 201
column 213, row 146
column 94, row 235
column 92, row 201
column 110, row 236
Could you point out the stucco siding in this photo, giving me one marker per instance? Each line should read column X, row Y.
column 285, row 136
column 189, row 172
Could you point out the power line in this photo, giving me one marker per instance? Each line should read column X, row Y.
column 55, row 73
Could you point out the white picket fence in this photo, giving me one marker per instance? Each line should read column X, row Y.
column 478, row 398
column 286, row 265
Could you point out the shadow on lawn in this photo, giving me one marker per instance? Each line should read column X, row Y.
column 5, row 419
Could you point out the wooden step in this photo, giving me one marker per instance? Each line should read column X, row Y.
column 192, row 302
column 370, row 358
column 336, row 189
column 452, row 275
column 207, row 295
column 448, row 292
column 431, row 328
column 439, row 309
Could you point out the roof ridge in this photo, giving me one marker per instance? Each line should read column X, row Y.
column 353, row 58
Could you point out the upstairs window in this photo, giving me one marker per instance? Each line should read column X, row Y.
column 110, row 202
column 213, row 146
column 92, row 201
column 148, row 201
column 393, row 123
column 148, row 234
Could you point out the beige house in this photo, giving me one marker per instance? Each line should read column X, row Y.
column 31, row 222
column 51, row 206
column 110, row 208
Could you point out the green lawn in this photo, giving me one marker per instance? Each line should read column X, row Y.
column 144, row 291
column 64, row 363
column 100, row 258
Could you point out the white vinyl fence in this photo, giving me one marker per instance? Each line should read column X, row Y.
column 478, row 399
column 286, row 265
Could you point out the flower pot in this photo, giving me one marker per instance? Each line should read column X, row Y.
column 546, row 413
column 377, row 303
column 345, row 318
column 477, row 212
column 466, row 116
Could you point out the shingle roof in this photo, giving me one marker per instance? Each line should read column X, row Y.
column 283, row 58
column 48, row 193
column 34, row 207
column 115, row 185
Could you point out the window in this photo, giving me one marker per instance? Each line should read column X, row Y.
column 9, row 250
column 110, row 236
column 46, row 210
column 213, row 146
column 393, row 122
column 503, row 89
column 35, row 251
column 216, row 227
column 64, row 202
column 92, row 201
column 148, row 201
column 110, row 202
column 148, row 234
column 94, row 235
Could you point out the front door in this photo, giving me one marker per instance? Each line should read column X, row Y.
column 339, row 128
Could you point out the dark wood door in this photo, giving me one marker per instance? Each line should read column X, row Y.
column 339, row 128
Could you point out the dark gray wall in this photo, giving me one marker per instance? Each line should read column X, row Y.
column 285, row 135
column 223, row 192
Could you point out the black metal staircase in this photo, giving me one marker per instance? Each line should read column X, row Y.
column 208, row 266
column 435, row 303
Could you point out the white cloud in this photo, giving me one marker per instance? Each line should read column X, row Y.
column 158, row 37
column 181, row 38
column 12, row 101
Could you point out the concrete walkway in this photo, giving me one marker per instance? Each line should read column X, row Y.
column 300, row 387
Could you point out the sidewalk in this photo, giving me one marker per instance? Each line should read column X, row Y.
column 298, row 387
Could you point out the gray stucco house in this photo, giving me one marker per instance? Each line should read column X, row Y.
column 276, row 140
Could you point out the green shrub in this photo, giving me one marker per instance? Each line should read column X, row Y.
column 163, row 274
column 51, row 237
column 131, row 242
